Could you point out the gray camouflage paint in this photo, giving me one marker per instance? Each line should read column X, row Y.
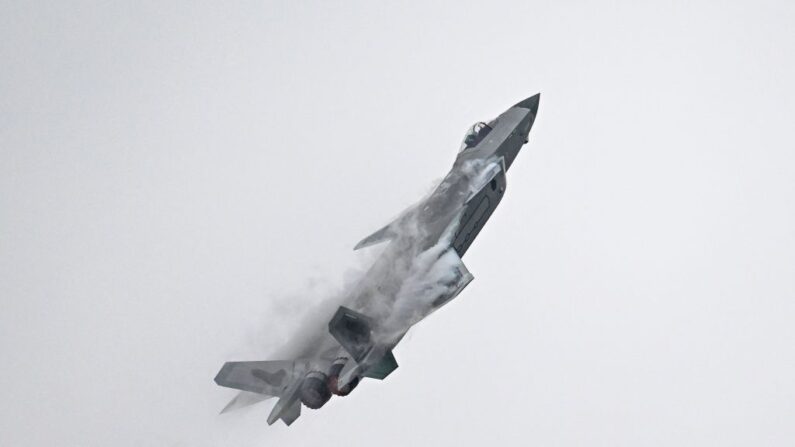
column 418, row 272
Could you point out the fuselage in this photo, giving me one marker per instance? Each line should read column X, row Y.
column 450, row 217
column 417, row 271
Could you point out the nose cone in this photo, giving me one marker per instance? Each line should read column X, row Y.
column 530, row 103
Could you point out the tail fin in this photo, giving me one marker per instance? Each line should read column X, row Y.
column 383, row 367
column 292, row 413
column 353, row 331
column 288, row 408
column 265, row 377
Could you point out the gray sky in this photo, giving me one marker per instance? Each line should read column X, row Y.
column 179, row 181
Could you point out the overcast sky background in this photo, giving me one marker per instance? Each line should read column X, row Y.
column 178, row 180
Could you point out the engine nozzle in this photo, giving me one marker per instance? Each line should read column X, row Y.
column 315, row 391
column 334, row 375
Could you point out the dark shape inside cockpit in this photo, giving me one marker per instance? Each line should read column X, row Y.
column 475, row 135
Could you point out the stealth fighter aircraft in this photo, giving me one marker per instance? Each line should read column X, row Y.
column 418, row 271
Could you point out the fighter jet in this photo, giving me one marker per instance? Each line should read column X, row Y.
column 419, row 271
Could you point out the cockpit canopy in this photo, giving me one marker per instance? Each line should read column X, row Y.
column 475, row 135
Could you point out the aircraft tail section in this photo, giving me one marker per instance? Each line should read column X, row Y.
column 288, row 408
column 263, row 377
column 262, row 380
column 291, row 413
column 383, row 367
column 354, row 332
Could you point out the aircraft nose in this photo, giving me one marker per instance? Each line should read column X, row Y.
column 530, row 103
